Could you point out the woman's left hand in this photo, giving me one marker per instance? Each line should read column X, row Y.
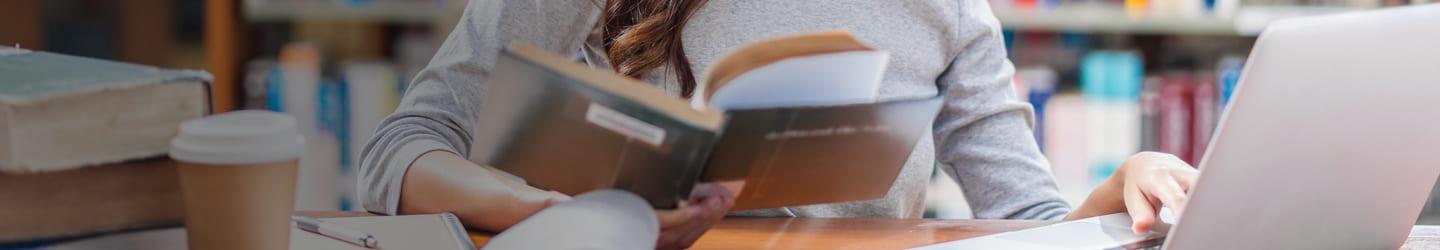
column 1141, row 185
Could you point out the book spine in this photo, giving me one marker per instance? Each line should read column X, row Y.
column 1150, row 114
column 1175, row 117
column 299, row 93
column 1227, row 76
column 1204, row 115
column 1039, row 84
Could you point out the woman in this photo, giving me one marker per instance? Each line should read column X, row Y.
column 416, row 162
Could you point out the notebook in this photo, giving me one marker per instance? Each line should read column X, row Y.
column 431, row 231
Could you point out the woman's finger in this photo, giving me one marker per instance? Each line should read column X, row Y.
column 1185, row 177
column 674, row 217
column 709, row 190
column 1140, row 209
column 1167, row 191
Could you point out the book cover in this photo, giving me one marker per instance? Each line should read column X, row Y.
column 565, row 127
column 820, row 154
column 560, row 133
column 93, row 99
column 35, row 75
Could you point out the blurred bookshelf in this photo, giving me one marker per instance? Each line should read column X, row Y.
column 1181, row 51
column 390, row 11
column 1109, row 19
column 339, row 66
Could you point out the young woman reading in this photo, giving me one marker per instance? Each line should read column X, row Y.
column 417, row 161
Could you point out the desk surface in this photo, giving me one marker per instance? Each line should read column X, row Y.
column 857, row 233
column 817, row 233
column 837, row 233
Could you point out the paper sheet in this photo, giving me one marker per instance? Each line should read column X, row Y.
column 602, row 219
column 827, row 79
column 1423, row 237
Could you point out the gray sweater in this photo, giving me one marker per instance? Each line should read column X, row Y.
column 937, row 46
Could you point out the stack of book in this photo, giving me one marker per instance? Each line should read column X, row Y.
column 82, row 144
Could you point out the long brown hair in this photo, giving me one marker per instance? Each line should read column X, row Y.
column 641, row 35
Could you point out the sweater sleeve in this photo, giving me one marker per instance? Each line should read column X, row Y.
column 984, row 132
column 441, row 105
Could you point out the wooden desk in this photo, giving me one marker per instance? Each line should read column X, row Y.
column 816, row 233
column 839, row 233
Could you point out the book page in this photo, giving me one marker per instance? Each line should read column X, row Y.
column 825, row 79
column 6, row 50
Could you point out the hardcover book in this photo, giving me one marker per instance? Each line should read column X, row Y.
column 787, row 121
column 61, row 112
column 107, row 198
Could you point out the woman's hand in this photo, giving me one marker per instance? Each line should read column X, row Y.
column 708, row 204
column 1142, row 184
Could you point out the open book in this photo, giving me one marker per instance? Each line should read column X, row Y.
column 794, row 118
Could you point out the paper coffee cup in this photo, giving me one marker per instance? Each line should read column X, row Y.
column 237, row 176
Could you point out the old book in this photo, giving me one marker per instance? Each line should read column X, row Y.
column 60, row 204
column 794, row 118
column 62, row 112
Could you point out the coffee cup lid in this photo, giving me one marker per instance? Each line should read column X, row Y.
column 239, row 137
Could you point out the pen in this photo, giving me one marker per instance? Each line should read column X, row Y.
column 331, row 230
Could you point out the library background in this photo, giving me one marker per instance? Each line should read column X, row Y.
column 1107, row 77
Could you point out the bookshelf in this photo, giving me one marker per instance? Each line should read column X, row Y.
column 388, row 11
column 1100, row 19
column 1248, row 21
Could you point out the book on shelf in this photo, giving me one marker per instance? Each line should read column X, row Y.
column 1176, row 116
column 1183, row 110
column 1035, row 86
column 1111, row 83
column 61, row 112
column 794, row 118
column 1205, row 114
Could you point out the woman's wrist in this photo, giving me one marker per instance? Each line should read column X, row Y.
column 441, row 181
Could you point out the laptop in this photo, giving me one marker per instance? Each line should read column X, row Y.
column 1332, row 141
